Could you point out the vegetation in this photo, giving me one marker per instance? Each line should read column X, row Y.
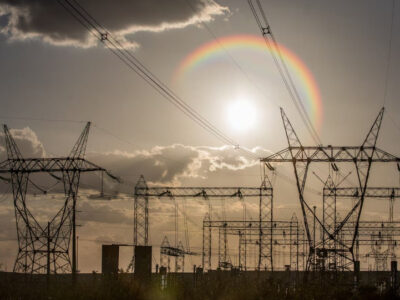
column 223, row 286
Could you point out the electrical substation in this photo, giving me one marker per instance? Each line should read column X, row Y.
column 324, row 242
column 237, row 238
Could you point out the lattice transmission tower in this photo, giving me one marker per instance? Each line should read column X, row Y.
column 360, row 158
column 46, row 248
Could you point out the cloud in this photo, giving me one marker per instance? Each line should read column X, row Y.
column 49, row 21
column 103, row 222
column 27, row 142
column 175, row 163
column 104, row 213
column 111, row 221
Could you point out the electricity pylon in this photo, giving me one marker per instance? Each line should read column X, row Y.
column 46, row 249
column 360, row 157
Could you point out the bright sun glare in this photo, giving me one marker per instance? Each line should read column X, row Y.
column 241, row 115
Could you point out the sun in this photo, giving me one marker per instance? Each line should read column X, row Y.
column 241, row 115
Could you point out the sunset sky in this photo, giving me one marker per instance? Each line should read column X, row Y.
column 54, row 77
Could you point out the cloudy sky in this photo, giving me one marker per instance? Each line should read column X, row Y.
column 54, row 77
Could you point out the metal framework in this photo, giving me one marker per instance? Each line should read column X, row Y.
column 166, row 252
column 331, row 194
column 140, row 218
column 46, row 249
column 355, row 192
column 296, row 244
column 224, row 261
column 361, row 157
column 381, row 237
column 141, row 214
column 279, row 233
column 264, row 193
column 165, row 259
column 331, row 260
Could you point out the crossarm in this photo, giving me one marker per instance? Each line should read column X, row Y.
column 330, row 154
column 50, row 165
column 198, row 192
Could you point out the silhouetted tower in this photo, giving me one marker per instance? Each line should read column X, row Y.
column 140, row 218
column 294, row 243
column 265, row 257
column 141, row 214
column 361, row 157
column 46, row 249
column 329, row 221
column 381, row 236
column 165, row 259
column 206, row 255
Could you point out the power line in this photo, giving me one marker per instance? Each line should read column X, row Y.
column 103, row 35
column 95, row 125
column 396, row 125
column 282, row 68
column 230, row 57
column 238, row 66
column 130, row 183
column 40, row 119
column 126, row 141
column 389, row 54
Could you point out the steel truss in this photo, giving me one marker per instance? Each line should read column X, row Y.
column 381, row 236
column 301, row 157
column 140, row 218
column 166, row 252
column 264, row 193
column 330, row 259
column 46, row 249
column 278, row 233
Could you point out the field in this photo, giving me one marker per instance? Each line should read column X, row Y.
column 210, row 286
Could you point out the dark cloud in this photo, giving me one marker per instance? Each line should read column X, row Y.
column 49, row 21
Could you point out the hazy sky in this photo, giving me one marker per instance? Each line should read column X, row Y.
column 52, row 70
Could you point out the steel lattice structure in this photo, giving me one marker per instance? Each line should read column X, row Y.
column 361, row 157
column 179, row 252
column 279, row 233
column 355, row 192
column 141, row 214
column 140, row 218
column 264, row 193
column 46, row 249
column 381, row 236
column 330, row 260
